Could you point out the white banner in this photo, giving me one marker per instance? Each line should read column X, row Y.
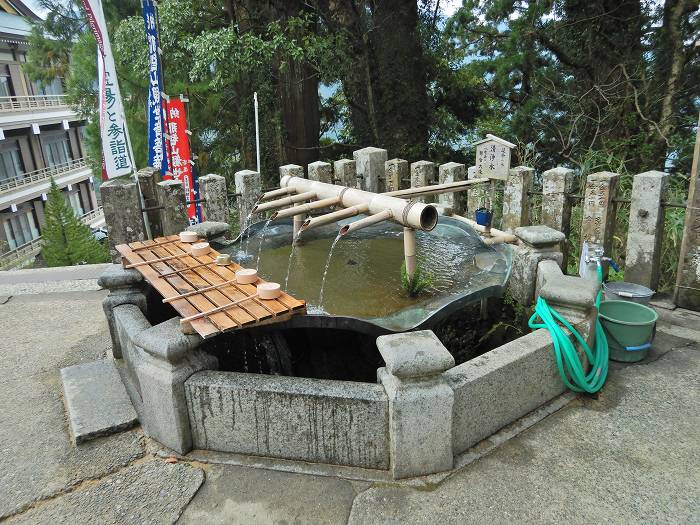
column 117, row 158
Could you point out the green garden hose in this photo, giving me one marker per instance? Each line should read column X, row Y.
column 571, row 369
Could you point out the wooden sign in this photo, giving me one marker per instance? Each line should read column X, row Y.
column 493, row 158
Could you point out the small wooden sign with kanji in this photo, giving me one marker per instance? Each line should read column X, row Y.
column 493, row 158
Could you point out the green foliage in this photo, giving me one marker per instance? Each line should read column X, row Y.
column 414, row 284
column 66, row 240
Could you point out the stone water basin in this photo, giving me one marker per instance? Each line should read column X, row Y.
column 362, row 289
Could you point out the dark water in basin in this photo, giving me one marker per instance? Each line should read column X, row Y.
column 364, row 274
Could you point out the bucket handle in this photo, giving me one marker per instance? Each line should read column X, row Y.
column 638, row 348
column 635, row 348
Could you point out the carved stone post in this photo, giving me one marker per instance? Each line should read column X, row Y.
column 344, row 173
column 173, row 214
column 212, row 188
column 687, row 292
column 423, row 173
column 370, row 167
column 291, row 170
column 557, row 184
column 452, row 172
column 475, row 195
column 396, row 172
column 598, row 222
column 645, row 229
column 515, row 199
column 321, row 172
column 123, row 217
column 148, row 180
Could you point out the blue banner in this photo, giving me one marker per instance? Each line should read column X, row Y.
column 157, row 157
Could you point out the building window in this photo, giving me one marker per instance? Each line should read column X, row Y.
column 75, row 203
column 54, row 88
column 11, row 166
column 5, row 82
column 20, row 228
column 56, row 149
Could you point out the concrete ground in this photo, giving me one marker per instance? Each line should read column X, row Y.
column 630, row 456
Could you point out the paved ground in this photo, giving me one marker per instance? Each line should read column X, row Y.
column 630, row 456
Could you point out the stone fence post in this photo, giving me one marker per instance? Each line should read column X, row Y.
column 122, row 208
column 598, row 222
column 212, row 189
column 687, row 291
column 423, row 173
column 515, row 198
column 420, row 403
column 291, row 170
column 320, row 171
column 248, row 190
column 452, row 172
column 148, row 180
column 173, row 214
column 344, row 173
column 476, row 194
column 396, row 172
column 370, row 168
column 645, row 229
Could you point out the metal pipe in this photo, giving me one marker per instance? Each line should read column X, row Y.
column 436, row 189
column 412, row 214
column 304, row 208
column 276, row 193
column 334, row 216
column 281, row 203
column 367, row 221
column 409, row 250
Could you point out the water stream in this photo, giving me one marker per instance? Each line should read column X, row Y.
column 262, row 240
column 291, row 258
column 325, row 271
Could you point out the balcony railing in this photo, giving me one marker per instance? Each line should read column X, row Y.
column 23, row 253
column 31, row 102
column 41, row 175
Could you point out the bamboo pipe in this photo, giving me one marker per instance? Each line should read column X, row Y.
column 494, row 232
column 436, row 189
column 409, row 250
column 412, row 214
column 275, row 193
column 367, row 221
column 334, row 216
column 287, row 201
column 304, row 208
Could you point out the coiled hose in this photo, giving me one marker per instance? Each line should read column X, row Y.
column 571, row 370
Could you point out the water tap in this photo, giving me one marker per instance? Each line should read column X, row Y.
column 599, row 258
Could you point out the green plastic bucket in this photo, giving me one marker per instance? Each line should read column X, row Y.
column 630, row 328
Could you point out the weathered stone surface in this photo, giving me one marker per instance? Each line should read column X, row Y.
column 115, row 277
column 423, row 173
column 123, row 217
column 321, row 172
column 212, row 188
column 370, row 168
column 210, row 229
column 523, row 277
column 291, row 170
column 540, row 236
column 150, row 492
column 687, row 291
column 344, row 173
column 327, row 421
column 396, row 171
column 515, row 199
column 645, row 230
column 173, row 217
column 414, row 354
column 476, row 196
column 557, row 183
column 167, row 342
column 148, row 181
column 452, row 172
column 96, row 401
column 248, row 189
column 597, row 224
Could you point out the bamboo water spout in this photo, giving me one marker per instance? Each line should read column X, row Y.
column 305, row 208
column 280, row 192
column 287, row 201
column 436, row 189
column 411, row 214
column 334, row 216
column 367, row 221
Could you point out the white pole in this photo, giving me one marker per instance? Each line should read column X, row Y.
column 257, row 130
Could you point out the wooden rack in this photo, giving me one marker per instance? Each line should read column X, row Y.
column 206, row 286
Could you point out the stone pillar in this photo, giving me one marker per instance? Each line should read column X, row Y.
column 423, row 173
column 291, row 170
column 557, row 184
column 420, row 403
column 122, row 209
column 515, row 198
column 687, row 291
column 148, row 178
column 344, row 173
column 396, row 172
column 125, row 287
column 321, row 172
column 646, row 229
column 476, row 195
column 370, row 168
column 248, row 191
column 597, row 224
column 173, row 214
column 538, row 243
column 212, row 189
column 452, row 172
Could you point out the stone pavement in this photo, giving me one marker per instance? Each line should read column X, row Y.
column 630, row 456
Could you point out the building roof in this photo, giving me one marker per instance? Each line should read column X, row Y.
column 17, row 7
column 490, row 137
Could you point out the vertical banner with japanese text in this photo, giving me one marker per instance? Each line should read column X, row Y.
column 117, row 157
column 180, row 159
column 156, row 117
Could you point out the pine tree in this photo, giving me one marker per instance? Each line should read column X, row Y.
column 67, row 241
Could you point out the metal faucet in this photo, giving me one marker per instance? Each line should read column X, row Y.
column 599, row 258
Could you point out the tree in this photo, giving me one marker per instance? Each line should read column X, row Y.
column 66, row 240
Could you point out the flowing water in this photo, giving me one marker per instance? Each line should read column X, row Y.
column 262, row 240
column 360, row 275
